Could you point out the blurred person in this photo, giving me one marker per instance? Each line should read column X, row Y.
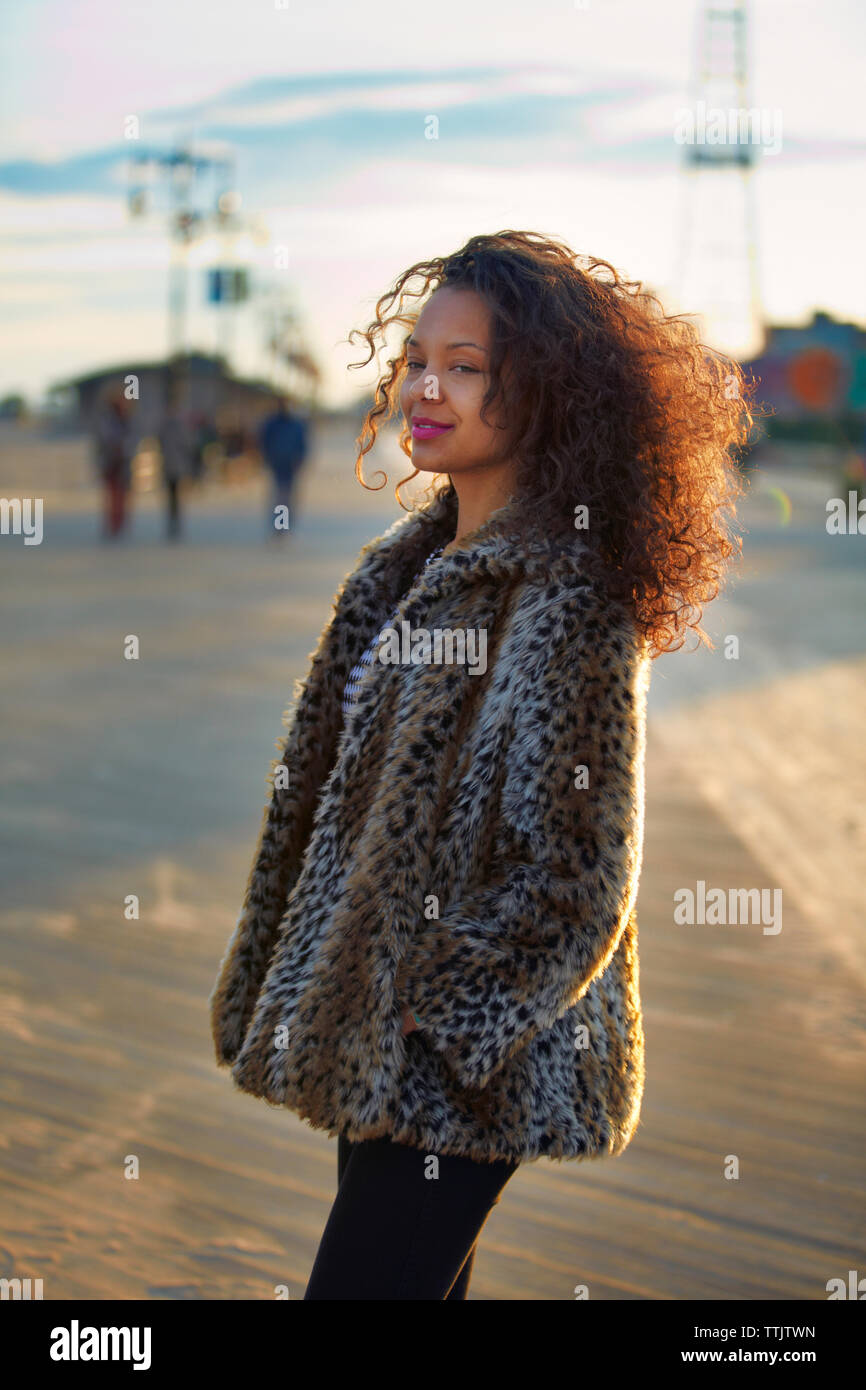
column 205, row 435
column 855, row 468
column 283, row 444
column 436, row 958
column 114, row 453
column 176, row 446
column 234, row 438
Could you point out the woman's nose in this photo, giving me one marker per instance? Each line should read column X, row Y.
column 425, row 388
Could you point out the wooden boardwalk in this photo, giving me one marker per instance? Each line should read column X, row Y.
column 119, row 782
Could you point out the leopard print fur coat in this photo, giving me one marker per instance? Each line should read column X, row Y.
column 467, row 845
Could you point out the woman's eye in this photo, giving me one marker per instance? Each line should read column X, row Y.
column 460, row 367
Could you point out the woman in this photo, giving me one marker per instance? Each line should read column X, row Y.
column 437, row 955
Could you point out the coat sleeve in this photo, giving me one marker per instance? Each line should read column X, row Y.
column 522, row 947
column 306, row 753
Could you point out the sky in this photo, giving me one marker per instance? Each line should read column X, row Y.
column 558, row 117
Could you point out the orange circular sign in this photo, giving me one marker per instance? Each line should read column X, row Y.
column 815, row 377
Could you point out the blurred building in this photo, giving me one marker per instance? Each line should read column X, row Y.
column 814, row 379
column 207, row 389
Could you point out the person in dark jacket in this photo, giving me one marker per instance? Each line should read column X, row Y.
column 176, row 446
column 283, row 444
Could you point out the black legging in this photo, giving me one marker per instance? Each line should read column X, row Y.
column 396, row 1233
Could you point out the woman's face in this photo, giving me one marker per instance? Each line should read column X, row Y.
column 445, row 382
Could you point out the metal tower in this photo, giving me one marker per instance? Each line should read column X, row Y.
column 720, row 134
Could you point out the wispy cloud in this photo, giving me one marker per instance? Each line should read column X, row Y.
column 284, row 130
column 317, row 126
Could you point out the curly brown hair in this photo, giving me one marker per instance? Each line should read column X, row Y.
column 611, row 403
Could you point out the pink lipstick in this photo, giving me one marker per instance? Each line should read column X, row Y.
column 428, row 429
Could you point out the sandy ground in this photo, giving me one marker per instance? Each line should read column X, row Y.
column 149, row 778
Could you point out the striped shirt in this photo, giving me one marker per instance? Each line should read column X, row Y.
column 367, row 657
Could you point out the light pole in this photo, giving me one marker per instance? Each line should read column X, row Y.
column 181, row 167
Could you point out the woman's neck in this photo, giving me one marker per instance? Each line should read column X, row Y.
column 479, row 495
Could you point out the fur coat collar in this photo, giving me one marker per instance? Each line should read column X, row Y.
column 467, row 845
